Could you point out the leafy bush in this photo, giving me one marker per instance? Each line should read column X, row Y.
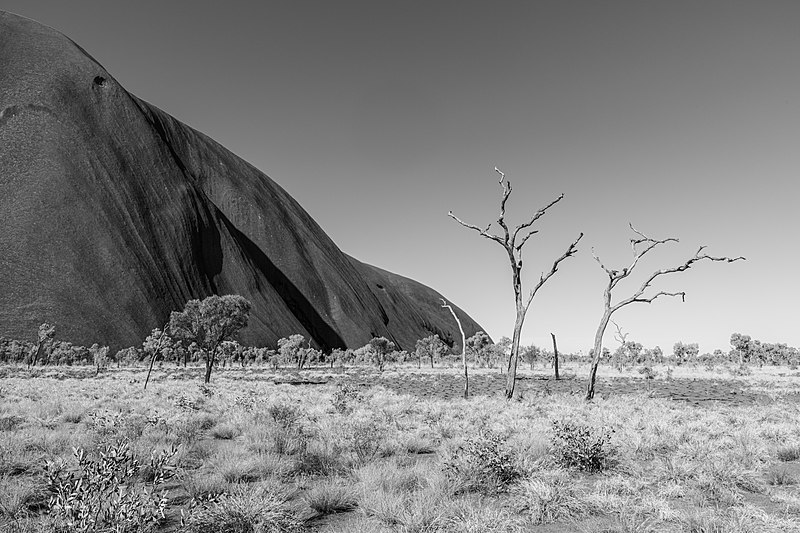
column 343, row 398
column 288, row 435
column 101, row 492
column 482, row 463
column 581, row 447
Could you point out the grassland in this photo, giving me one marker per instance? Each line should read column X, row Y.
column 369, row 452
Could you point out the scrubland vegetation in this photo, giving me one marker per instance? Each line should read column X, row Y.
column 80, row 452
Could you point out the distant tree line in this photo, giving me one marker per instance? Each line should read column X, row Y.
column 295, row 351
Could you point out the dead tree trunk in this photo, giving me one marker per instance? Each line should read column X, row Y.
column 508, row 240
column 615, row 276
column 555, row 355
column 463, row 348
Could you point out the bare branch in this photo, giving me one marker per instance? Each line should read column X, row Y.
column 506, row 185
column 483, row 232
column 536, row 216
column 620, row 336
column 610, row 273
column 522, row 242
column 662, row 293
column 698, row 256
column 571, row 250
column 652, row 243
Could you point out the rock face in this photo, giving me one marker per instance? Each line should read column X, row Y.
column 113, row 214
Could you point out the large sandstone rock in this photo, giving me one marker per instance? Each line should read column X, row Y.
column 113, row 214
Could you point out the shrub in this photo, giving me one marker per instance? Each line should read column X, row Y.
column 284, row 415
column 343, row 398
column 365, row 438
column 101, row 492
column 482, row 463
column 10, row 422
column 279, row 430
column 580, row 447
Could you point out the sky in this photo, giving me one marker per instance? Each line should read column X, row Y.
column 681, row 117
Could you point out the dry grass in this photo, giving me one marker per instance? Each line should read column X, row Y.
column 382, row 463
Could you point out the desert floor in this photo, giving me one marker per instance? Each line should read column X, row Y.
column 695, row 449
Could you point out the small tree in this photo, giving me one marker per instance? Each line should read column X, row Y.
column 685, row 353
column 742, row 347
column 99, row 357
column 380, row 349
column 513, row 248
column 210, row 322
column 640, row 245
column 530, row 354
column 290, row 350
column 479, row 346
column 431, row 347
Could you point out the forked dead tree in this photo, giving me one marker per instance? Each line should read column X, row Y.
column 463, row 347
column 508, row 240
column 640, row 245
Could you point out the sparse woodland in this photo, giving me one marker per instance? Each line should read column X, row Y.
column 193, row 432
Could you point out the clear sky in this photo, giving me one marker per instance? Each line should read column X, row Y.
column 682, row 117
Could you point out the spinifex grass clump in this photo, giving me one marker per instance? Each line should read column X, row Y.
column 102, row 491
column 580, row 447
column 482, row 463
column 261, row 509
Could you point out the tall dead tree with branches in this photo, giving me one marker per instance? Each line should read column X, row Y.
column 508, row 240
column 640, row 245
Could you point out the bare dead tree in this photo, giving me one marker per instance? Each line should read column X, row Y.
column 463, row 347
column 640, row 245
column 555, row 355
column 508, row 240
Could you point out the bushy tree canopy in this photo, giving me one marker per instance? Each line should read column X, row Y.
column 209, row 322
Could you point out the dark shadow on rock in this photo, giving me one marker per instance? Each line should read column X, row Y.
column 321, row 332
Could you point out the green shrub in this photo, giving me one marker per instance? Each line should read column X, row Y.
column 482, row 463
column 344, row 397
column 10, row 422
column 580, row 447
column 365, row 437
column 101, row 492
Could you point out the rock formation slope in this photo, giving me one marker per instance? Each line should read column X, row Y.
column 113, row 214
